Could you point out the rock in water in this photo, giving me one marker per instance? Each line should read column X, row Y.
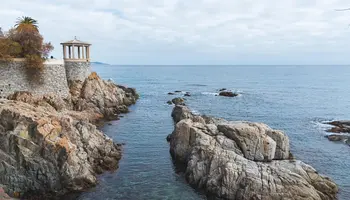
column 178, row 101
column 187, row 94
column 228, row 94
column 48, row 146
column 242, row 160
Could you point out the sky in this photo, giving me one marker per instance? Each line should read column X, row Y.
column 194, row 32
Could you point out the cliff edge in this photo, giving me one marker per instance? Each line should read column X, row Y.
column 49, row 146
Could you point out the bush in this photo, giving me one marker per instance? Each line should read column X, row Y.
column 25, row 41
column 9, row 49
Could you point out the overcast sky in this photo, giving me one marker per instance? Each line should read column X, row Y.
column 194, row 31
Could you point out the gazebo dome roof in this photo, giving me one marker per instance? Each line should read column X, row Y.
column 75, row 41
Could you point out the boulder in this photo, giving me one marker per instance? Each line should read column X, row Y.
column 178, row 101
column 242, row 160
column 228, row 94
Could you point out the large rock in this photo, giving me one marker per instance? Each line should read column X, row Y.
column 49, row 146
column 242, row 160
column 103, row 97
column 45, row 151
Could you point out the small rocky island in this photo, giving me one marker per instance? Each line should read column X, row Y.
column 242, row 160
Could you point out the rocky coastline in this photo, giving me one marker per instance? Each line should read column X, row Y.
column 50, row 146
column 242, row 160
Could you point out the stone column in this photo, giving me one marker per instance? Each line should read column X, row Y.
column 73, row 52
column 78, row 52
column 88, row 52
column 69, row 52
column 64, row 52
column 83, row 52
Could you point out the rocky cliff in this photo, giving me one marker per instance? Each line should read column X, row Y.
column 242, row 160
column 49, row 146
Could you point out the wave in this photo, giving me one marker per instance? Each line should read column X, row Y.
column 210, row 93
column 196, row 112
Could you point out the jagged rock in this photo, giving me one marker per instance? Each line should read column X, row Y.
column 44, row 151
column 49, row 146
column 339, row 126
column 242, row 160
column 178, row 101
column 102, row 97
column 228, row 94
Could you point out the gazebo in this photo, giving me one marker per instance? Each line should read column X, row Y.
column 77, row 50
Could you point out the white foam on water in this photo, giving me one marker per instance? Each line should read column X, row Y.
column 196, row 112
column 210, row 93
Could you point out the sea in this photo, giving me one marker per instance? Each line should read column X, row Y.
column 295, row 99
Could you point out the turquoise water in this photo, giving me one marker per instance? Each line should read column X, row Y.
column 295, row 99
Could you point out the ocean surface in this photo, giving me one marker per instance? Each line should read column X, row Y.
column 295, row 99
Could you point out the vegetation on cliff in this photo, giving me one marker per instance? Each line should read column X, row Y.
column 25, row 41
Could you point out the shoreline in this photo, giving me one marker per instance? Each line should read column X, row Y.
column 72, row 150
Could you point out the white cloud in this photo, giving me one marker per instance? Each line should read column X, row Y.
column 183, row 32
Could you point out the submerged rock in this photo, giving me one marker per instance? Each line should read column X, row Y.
column 187, row 94
column 222, row 89
column 228, row 94
column 171, row 93
column 242, row 160
column 49, row 146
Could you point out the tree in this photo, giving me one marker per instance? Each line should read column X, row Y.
column 26, row 24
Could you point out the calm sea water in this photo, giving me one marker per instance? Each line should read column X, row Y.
column 295, row 99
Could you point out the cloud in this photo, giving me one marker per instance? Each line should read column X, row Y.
column 186, row 32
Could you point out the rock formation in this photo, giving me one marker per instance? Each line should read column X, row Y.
column 228, row 94
column 341, row 130
column 242, row 160
column 48, row 145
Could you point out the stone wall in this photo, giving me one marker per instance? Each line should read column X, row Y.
column 76, row 70
column 14, row 77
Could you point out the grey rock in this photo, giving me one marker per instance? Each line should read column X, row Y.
column 178, row 101
column 49, row 146
column 228, row 94
column 242, row 160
